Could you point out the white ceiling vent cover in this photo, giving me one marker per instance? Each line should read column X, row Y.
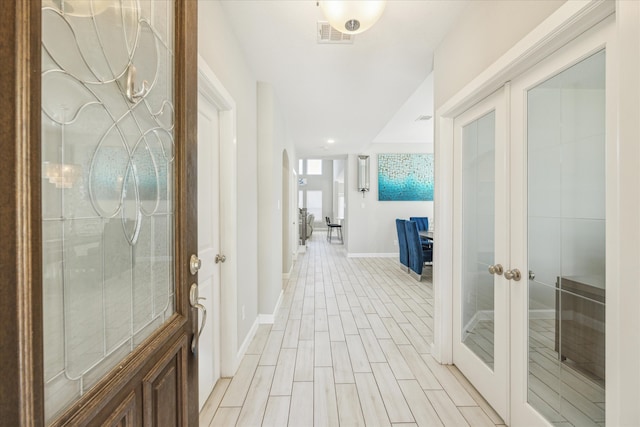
column 329, row 35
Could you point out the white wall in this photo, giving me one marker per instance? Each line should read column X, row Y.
column 219, row 47
column 484, row 31
column 370, row 226
column 272, row 140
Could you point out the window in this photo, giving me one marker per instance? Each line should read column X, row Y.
column 300, row 199
column 300, row 167
column 314, row 204
column 314, row 167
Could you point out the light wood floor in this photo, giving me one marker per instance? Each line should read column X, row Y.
column 349, row 346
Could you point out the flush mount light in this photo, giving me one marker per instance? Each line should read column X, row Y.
column 330, row 141
column 352, row 16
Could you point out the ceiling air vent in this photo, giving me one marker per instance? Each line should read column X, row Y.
column 423, row 118
column 329, row 35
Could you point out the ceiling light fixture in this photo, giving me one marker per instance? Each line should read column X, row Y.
column 330, row 141
column 352, row 16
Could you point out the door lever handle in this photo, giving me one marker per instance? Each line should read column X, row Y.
column 194, row 300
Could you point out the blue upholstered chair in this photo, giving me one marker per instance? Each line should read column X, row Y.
column 423, row 225
column 402, row 244
column 419, row 254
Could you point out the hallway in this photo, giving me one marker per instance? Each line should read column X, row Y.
column 349, row 346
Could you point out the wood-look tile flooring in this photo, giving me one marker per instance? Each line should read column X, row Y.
column 350, row 346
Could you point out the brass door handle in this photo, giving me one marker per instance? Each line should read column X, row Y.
column 513, row 274
column 194, row 300
column 496, row 269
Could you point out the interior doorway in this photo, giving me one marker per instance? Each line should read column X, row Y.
column 217, row 217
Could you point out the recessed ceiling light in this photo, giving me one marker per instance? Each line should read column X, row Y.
column 330, row 141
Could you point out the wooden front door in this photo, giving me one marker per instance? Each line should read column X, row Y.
column 98, row 212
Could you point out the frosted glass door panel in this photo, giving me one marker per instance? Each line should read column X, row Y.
column 107, row 186
column 478, row 243
column 566, row 244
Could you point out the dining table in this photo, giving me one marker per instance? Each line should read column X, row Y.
column 426, row 233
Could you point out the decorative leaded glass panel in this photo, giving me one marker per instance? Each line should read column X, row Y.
column 107, row 186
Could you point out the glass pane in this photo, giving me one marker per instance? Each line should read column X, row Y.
column 107, row 186
column 314, row 167
column 478, row 207
column 566, row 244
column 314, row 204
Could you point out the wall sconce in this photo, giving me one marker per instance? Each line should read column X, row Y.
column 363, row 174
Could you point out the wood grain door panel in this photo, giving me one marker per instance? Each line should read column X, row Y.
column 164, row 389
column 157, row 383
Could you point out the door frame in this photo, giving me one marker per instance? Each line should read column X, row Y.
column 22, row 389
column 214, row 91
column 623, row 227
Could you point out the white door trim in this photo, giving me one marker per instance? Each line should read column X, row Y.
column 623, row 202
column 569, row 21
column 213, row 90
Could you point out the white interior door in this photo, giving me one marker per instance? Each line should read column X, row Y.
column 562, row 118
column 481, row 248
column 209, row 243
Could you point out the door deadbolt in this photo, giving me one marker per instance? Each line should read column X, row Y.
column 194, row 264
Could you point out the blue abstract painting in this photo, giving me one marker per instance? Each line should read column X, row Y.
column 405, row 177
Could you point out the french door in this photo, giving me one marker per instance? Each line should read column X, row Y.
column 105, row 143
column 481, row 199
column 530, row 293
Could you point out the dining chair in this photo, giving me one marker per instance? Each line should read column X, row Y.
column 423, row 225
column 330, row 227
column 402, row 244
column 419, row 254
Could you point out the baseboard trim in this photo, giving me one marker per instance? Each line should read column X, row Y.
column 287, row 275
column 269, row 319
column 371, row 255
column 245, row 344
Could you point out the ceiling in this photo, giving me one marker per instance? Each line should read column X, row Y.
column 354, row 93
